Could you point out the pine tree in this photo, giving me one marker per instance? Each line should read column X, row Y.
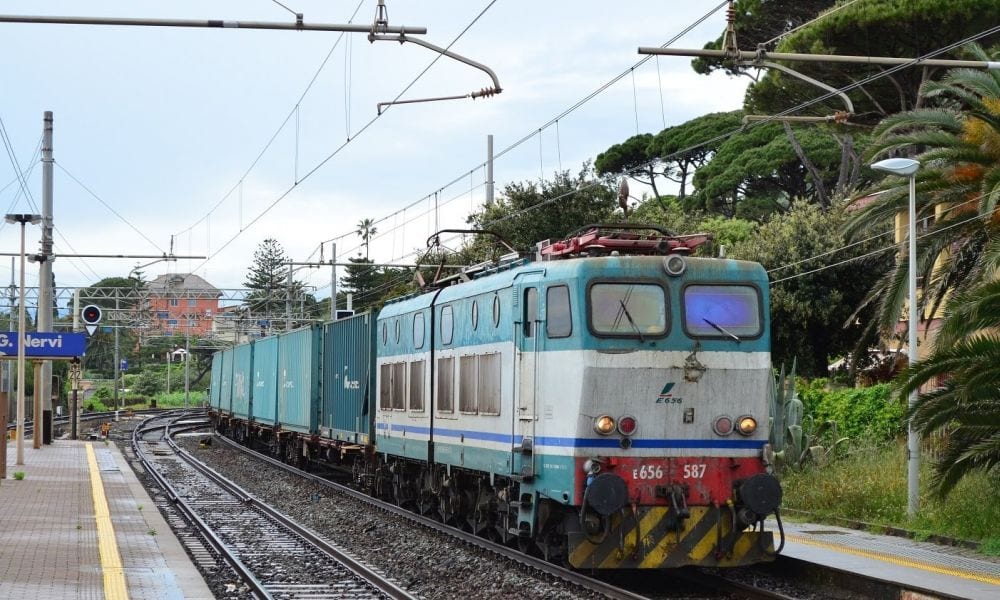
column 267, row 280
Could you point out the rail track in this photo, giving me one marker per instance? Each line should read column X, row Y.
column 717, row 584
column 275, row 557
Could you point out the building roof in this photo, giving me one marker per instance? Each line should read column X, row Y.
column 182, row 284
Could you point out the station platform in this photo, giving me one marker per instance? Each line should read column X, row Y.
column 922, row 570
column 80, row 525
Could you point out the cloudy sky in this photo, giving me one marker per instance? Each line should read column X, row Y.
column 160, row 132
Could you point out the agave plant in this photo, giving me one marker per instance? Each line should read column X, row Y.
column 795, row 436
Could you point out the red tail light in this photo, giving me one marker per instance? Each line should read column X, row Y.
column 627, row 425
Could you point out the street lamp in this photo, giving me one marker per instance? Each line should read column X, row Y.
column 34, row 220
column 907, row 167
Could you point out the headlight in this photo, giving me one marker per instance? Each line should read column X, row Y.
column 604, row 424
column 746, row 425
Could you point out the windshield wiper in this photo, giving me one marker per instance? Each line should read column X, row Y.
column 628, row 316
column 722, row 330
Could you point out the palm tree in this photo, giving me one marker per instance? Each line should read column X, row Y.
column 366, row 229
column 958, row 145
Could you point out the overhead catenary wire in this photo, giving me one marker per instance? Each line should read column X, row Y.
column 341, row 147
column 554, row 120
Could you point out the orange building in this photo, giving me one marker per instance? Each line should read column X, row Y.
column 183, row 303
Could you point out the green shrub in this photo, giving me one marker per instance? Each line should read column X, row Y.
column 95, row 405
column 103, row 393
column 869, row 485
column 859, row 413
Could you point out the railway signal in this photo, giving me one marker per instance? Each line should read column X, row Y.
column 91, row 315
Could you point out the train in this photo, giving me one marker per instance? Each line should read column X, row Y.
column 601, row 401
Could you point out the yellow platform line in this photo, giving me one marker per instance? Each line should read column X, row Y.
column 111, row 560
column 903, row 562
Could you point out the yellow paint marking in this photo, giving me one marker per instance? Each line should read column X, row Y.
column 111, row 561
column 903, row 562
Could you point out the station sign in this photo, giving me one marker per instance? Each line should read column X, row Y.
column 47, row 344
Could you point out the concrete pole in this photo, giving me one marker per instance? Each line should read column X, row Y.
column 11, row 296
column 20, row 361
column 117, row 364
column 187, row 366
column 333, row 281
column 43, row 386
column 489, row 170
column 288, row 301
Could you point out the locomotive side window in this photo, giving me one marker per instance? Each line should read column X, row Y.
column 558, row 319
column 446, row 385
column 399, row 386
column 628, row 309
column 385, row 389
column 489, row 384
column 397, row 331
column 496, row 310
column 418, row 331
column 467, row 385
column 385, row 333
column 475, row 315
column 447, row 325
column 722, row 311
column 530, row 311
column 417, row 385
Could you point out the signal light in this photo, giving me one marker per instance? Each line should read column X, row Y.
column 723, row 425
column 627, row 425
column 91, row 314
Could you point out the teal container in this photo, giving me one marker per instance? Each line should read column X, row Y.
column 215, row 386
column 226, row 383
column 299, row 360
column 265, row 381
column 242, row 376
column 348, row 378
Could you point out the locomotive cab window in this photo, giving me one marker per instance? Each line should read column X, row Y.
column 530, row 311
column 627, row 309
column 558, row 319
column 722, row 311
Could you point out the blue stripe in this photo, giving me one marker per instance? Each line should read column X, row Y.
column 564, row 442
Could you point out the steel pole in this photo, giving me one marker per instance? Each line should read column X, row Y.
column 333, row 281
column 20, row 361
column 912, row 439
column 751, row 56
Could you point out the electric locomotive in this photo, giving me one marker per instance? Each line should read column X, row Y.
column 604, row 402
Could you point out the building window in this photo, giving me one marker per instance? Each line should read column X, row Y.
column 175, row 302
column 192, row 302
column 192, row 323
column 162, row 315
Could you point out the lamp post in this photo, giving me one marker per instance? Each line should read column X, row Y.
column 907, row 167
column 22, row 219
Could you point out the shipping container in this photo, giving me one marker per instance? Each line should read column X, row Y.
column 265, row 380
column 299, row 361
column 226, row 383
column 215, row 389
column 348, row 377
column 242, row 376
